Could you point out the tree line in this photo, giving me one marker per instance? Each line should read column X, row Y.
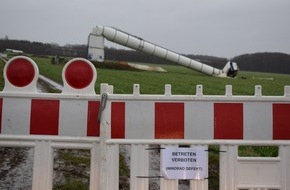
column 258, row 62
column 39, row 48
column 264, row 62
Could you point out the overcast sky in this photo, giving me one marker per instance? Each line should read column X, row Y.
column 224, row 28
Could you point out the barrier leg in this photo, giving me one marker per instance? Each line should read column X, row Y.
column 227, row 166
column 113, row 167
column 42, row 166
column 199, row 184
column 95, row 167
column 284, row 154
column 139, row 167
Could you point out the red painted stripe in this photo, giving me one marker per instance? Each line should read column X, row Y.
column 169, row 120
column 44, row 117
column 93, row 126
column 228, row 121
column 281, row 121
column 118, row 120
column 1, row 103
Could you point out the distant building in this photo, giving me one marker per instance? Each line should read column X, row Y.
column 3, row 55
column 15, row 51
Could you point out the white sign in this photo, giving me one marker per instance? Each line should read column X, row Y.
column 184, row 163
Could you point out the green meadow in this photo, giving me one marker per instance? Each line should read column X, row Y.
column 182, row 80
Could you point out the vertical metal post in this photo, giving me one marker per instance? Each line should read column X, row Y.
column 105, row 133
column 227, row 166
column 42, row 166
column 113, row 166
column 199, row 184
column 284, row 154
column 139, row 167
column 95, row 167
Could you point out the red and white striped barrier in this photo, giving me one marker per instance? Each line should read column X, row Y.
column 74, row 111
column 200, row 120
column 24, row 116
column 24, row 111
column 68, row 119
column 201, row 117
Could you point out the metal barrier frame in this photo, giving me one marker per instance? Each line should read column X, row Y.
column 104, row 169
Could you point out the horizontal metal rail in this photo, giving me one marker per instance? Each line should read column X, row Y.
column 198, row 142
column 55, row 141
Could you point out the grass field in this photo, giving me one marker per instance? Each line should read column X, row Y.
column 183, row 80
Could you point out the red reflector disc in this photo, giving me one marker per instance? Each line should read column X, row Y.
column 20, row 72
column 79, row 74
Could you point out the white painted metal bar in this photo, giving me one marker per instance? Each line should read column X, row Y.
column 105, row 131
column 287, row 91
column 136, row 89
column 16, row 143
column 53, row 96
column 199, row 90
column 95, row 167
column 199, row 184
column 198, row 142
column 198, row 97
column 229, row 90
column 284, row 154
column 28, row 138
column 258, row 91
column 112, row 167
column 266, row 159
column 56, row 142
column 51, row 82
column 139, row 167
column 167, row 90
column 71, row 145
column 42, row 166
column 258, row 187
column 227, row 166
